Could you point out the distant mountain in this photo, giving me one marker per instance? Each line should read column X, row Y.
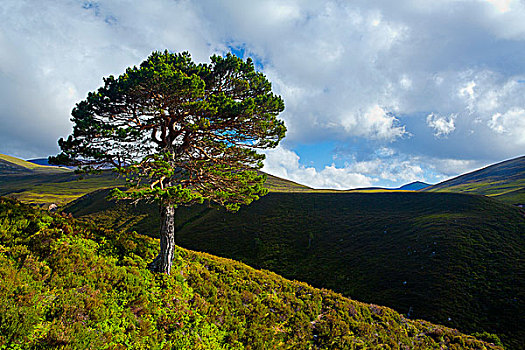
column 45, row 184
column 45, row 162
column 504, row 181
column 414, row 186
column 14, row 166
column 39, row 161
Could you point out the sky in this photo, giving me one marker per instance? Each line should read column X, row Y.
column 377, row 93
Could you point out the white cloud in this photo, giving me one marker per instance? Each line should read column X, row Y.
column 442, row 125
column 501, row 5
column 511, row 123
column 508, row 21
column 385, row 152
column 496, row 124
column 405, row 82
column 404, row 171
column 499, row 94
column 393, row 169
column 468, row 94
column 285, row 163
column 52, row 54
column 468, row 90
column 452, row 167
column 375, row 123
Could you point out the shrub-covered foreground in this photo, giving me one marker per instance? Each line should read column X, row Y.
column 449, row 258
column 66, row 285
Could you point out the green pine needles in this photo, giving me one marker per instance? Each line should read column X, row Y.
column 180, row 133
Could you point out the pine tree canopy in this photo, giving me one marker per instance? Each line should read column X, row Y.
column 180, row 132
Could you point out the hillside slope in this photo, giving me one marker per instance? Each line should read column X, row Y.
column 451, row 258
column 504, row 181
column 65, row 285
column 277, row 184
column 54, row 188
column 15, row 166
column 45, row 185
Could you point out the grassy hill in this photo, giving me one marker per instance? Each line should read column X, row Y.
column 15, row 166
column 67, row 285
column 44, row 189
column 504, row 181
column 450, row 258
column 45, row 185
column 277, row 184
column 58, row 188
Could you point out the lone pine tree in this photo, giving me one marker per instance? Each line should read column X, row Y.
column 181, row 133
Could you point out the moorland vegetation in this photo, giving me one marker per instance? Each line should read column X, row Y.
column 72, row 285
column 450, row 258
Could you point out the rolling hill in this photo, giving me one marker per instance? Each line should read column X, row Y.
column 45, row 185
column 10, row 166
column 504, row 181
column 68, row 285
column 450, row 258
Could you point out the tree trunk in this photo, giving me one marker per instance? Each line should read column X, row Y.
column 162, row 262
